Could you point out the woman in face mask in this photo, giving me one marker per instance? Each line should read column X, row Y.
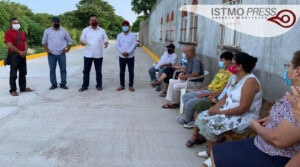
column 278, row 135
column 242, row 103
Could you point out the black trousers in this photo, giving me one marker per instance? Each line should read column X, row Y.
column 86, row 72
column 18, row 63
column 130, row 63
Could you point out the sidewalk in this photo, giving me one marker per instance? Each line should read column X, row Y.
column 66, row 128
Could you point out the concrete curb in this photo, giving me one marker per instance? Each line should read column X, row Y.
column 34, row 56
column 156, row 58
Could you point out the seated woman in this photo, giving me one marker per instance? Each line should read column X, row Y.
column 167, row 74
column 242, row 103
column 205, row 105
column 295, row 102
column 278, row 135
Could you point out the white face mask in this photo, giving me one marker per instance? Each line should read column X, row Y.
column 16, row 26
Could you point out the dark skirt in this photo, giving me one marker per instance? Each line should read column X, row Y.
column 244, row 153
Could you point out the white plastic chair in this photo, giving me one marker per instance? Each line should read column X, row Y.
column 184, row 90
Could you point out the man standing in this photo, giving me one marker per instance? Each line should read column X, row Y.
column 55, row 40
column 16, row 43
column 126, row 44
column 93, row 38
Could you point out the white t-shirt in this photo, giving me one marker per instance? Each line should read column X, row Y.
column 167, row 58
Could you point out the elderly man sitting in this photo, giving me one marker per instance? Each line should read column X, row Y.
column 194, row 68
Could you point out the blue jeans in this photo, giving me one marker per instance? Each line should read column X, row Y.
column 61, row 59
column 190, row 100
column 130, row 63
column 152, row 72
column 87, row 69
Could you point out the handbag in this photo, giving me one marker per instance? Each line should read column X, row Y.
column 7, row 59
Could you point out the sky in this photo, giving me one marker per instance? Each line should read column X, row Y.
column 56, row 7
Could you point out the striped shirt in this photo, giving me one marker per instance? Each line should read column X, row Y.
column 56, row 40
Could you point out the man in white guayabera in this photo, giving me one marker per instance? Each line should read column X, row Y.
column 126, row 44
column 93, row 38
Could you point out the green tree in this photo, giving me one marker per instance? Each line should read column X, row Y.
column 142, row 6
column 33, row 25
column 136, row 24
column 43, row 18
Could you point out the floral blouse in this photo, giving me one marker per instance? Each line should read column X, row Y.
column 281, row 110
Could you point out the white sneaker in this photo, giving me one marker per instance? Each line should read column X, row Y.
column 207, row 163
column 202, row 154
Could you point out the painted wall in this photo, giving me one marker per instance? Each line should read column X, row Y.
column 271, row 52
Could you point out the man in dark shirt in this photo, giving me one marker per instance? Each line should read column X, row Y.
column 16, row 43
column 194, row 68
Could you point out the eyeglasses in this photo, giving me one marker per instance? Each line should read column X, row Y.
column 286, row 66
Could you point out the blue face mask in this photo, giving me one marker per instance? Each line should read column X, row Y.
column 125, row 28
column 288, row 81
column 183, row 56
column 221, row 64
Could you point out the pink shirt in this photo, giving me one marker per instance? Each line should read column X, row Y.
column 281, row 110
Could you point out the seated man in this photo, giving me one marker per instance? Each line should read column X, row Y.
column 194, row 68
column 216, row 87
column 168, row 59
column 168, row 73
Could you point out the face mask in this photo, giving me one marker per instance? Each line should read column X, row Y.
column 170, row 51
column 221, row 64
column 288, row 81
column 232, row 69
column 56, row 25
column 183, row 56
column 94, row 24
column 16, row 26
column 125, row 28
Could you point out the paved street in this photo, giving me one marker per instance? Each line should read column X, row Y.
column 65, row 128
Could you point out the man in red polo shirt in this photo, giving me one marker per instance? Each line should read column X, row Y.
column 16, row 43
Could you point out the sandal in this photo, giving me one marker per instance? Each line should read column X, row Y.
column 131, row 89
column 27, row 90
column 82, row 89
column 157, row 83
column 198, row 141
column 163, row 94
column 121, row 88
column 170, row 106
column 14, row 94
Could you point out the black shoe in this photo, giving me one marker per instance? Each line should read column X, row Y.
column 53, row 87
column 158, row 88
column 64, row 87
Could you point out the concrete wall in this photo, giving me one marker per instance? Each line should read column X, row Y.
column 271, row 52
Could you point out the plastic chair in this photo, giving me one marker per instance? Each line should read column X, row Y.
column 184, row 90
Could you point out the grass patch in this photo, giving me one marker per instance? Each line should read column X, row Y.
column 3, row 50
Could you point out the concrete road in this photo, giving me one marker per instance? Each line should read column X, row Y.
column 65, row 128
